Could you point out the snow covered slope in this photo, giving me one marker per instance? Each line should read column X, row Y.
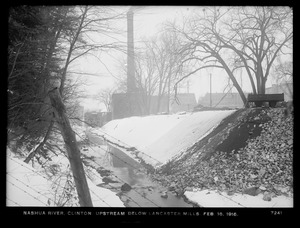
column 163, row 136
column 26, row 186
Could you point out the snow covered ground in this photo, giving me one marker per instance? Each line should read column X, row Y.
column 27, row 186
column 166, row 136
column 208, row 198
column 162, row 137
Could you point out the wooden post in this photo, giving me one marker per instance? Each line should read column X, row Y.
column 130, row 53
column 72, row 149
column 210, row 99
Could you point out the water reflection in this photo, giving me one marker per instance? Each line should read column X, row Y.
column 146, row 193
column 124, row 169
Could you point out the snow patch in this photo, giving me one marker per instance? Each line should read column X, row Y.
column 210, row 198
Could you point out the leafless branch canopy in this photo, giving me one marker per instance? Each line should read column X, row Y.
column 248, row 38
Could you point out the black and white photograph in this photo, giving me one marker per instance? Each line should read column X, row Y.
column 188, row 108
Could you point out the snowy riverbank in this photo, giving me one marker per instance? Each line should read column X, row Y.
column 210, row 198
column 162, row 137
column 27, row 186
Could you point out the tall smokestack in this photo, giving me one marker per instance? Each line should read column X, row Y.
column 130, row 53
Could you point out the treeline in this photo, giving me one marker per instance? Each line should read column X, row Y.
column 44, row 41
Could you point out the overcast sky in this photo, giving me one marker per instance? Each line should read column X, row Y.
column 147, row 22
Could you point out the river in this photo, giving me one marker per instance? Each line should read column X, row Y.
column 117, row 168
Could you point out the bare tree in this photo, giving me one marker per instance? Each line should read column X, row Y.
column 37, row 50
column 250, row 38
column 105, row 97
column 79, row 43
column 283, row 74
column 158, row 67
column 69, row 29
column 89, row 21
column 33, row 57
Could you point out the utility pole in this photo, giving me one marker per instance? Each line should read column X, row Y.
column 72, row 148
column 130, row 53
column 210, row 98
column 131, row 97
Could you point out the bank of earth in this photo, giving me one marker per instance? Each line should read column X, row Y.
column 249, row 152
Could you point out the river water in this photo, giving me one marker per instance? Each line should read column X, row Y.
column 117, row 168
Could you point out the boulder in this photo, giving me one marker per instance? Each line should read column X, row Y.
column 262, row 188
column 125, row 187
column 267, row 197
column 252, row 191
column 189, row 189
column 290, row 142
column 164, row 195
column 179, row 192
column 262, row 172
column 107, row 180
column 172, row 187
column 230, row 193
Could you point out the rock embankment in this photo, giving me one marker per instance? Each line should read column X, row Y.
column 254, row 150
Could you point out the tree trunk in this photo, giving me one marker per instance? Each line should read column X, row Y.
column 258, row 84
column 72, row 149
column 159, row 96
column 240, row 91
column 260, row 79
column 148, row 104
column 263, row 86
column 169, row 95
column 252, row 84
column 234, row 81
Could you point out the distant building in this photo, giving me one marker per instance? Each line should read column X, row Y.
column 142, row 105
column 163, row 107
column 96, row 118
column 220, row 100
column 126, row 104
column 286, row 88
column 93, row 118
column 184, row 102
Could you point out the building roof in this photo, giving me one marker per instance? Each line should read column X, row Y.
column 186, row 98
column 286, row 88
column 222, row 100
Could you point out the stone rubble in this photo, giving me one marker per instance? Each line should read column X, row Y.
column 264, row 164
